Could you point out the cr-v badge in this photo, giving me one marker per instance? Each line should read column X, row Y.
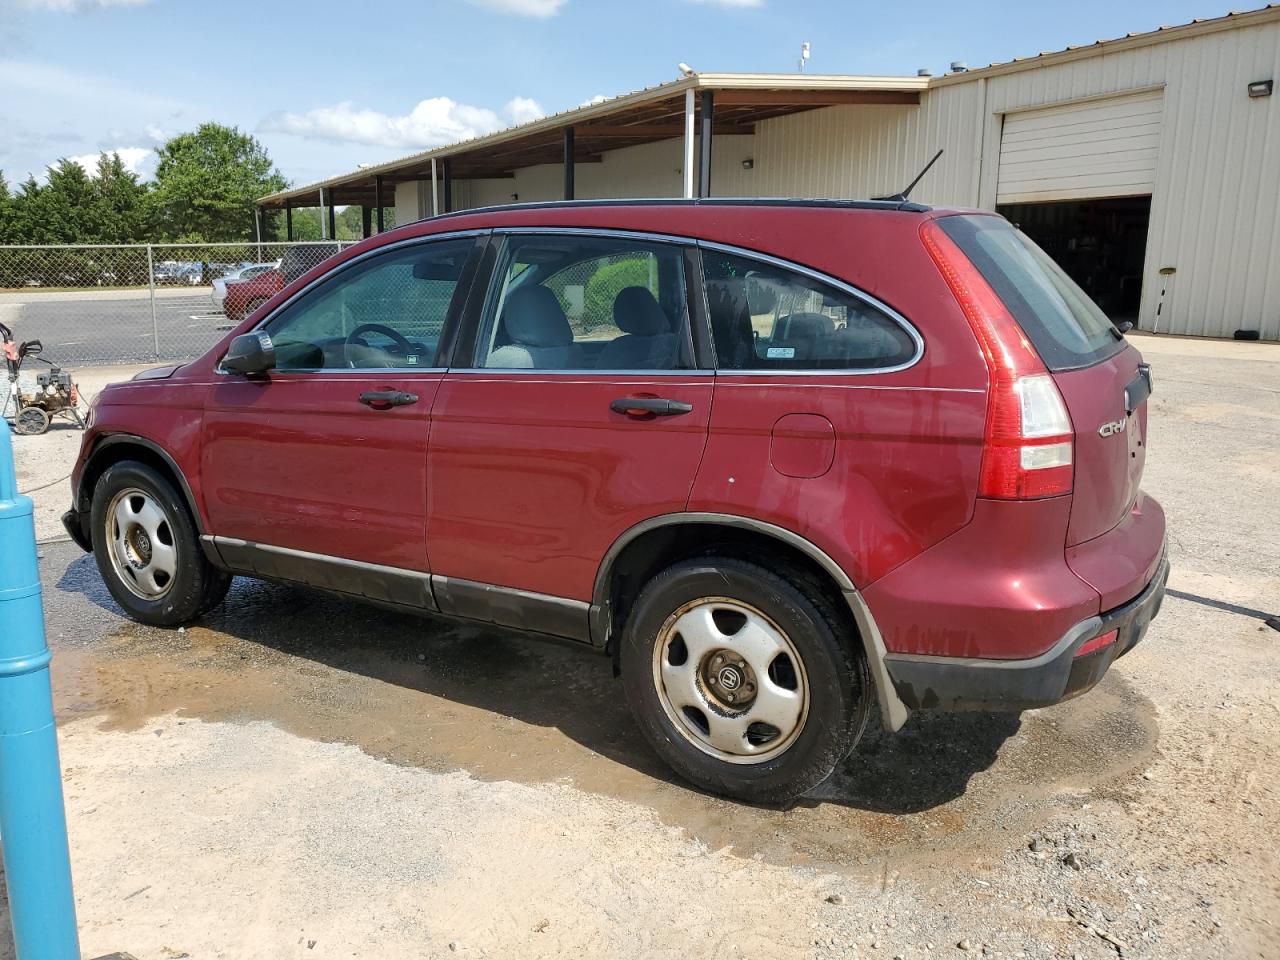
column 1112, row 427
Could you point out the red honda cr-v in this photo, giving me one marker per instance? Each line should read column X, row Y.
column 779, row 459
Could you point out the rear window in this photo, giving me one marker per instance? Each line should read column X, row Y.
column 767, row 317
column 1067, row 328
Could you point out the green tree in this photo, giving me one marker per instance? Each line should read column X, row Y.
column 121, row 211
column 206, row 182
column 7, row 212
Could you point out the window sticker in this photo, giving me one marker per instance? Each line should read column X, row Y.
column 781, row 353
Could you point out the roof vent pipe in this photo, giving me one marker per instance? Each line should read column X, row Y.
column 924, row 72
column 959, row 66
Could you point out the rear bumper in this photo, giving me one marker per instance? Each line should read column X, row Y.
column 958, row 683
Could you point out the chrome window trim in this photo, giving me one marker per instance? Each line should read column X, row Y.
column 750, row 254
column 577, row 371
column 587, row 232
column 328, row 275
column 830, row 281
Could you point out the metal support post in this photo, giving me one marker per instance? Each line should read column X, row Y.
column 568, row 163
column 37, row 862
column 704, row 143
column 151, row 284
column 688, row 144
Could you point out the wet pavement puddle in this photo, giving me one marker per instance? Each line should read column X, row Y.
column 441, row 696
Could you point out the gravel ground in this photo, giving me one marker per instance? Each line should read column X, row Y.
column 303, row 776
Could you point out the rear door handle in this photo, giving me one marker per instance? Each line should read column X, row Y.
column 650, row 406
column 386, row 399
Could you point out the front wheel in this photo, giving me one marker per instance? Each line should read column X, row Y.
column 741, row 679
column 148, row 550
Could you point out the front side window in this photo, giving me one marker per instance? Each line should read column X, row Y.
column 386, row 311
column 766, row 317
column 586, row 303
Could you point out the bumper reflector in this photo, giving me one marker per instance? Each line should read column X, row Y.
column 1097, row 643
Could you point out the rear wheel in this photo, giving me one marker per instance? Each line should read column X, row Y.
column 147, row 548
column 741, row 680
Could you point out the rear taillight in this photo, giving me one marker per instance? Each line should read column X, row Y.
column 1028, row 446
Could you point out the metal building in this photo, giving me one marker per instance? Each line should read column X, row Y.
column 1149, row 166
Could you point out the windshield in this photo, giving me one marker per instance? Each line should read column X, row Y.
column 1067, row 328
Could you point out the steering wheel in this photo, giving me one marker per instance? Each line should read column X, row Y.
column 395, row 336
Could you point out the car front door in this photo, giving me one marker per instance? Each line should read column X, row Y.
column 573, row 410
column 317, row 471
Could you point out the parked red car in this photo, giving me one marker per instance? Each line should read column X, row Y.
column 778, row 459
column 245, row 296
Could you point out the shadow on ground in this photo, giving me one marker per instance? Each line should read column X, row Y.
column 445, row 696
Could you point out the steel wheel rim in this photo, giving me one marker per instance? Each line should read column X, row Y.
column 730, row 680
column 140, row 542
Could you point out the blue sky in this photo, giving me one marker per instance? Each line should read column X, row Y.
column 327, row 85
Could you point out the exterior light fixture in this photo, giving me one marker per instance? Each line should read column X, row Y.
column 1261, row 88
column 748, row 164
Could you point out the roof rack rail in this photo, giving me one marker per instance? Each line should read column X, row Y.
column 897, row 205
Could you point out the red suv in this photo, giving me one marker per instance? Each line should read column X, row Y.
column 779, row 459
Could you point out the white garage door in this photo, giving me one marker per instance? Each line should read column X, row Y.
column 1098, row 148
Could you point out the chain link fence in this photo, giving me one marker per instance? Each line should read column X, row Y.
column 142, row 302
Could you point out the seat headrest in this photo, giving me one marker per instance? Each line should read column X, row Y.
column 533, row 317
column 636, row 311
column 808, row 325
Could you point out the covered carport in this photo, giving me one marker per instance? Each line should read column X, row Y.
column 695, row 112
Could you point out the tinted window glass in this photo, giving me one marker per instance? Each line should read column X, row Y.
column 1067, row 328
column 765, row 317
column 586, row 303
column 386, row 311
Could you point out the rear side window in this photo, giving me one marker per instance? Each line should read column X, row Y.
column 1067, row 328
column 766, row 317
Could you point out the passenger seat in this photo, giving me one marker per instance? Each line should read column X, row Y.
column 647, row 342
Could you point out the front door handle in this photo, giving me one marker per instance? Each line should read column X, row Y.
column 386, row 399
column 650, row 407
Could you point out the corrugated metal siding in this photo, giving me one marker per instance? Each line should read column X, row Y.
column 1215, row 213
column 1098, row 148
column 867, row 151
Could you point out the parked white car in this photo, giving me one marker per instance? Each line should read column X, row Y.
column 219, row 292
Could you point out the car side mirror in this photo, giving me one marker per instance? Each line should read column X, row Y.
column 250, row 353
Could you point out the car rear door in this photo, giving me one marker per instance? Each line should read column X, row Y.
column 573, row 411
column 324, row 459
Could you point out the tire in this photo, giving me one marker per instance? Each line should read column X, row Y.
column 773, row 646
column 253, row 307
column 141, row 529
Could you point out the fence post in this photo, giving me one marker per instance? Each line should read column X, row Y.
column 151, row 283
column 37, row 863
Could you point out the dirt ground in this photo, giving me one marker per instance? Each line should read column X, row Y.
column 301, row 776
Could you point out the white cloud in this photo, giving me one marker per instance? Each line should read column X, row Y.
column 598, row 98
column 523, row 8
column 431, row 123
column 523, row 110
column 75, row 6
column 133, row 158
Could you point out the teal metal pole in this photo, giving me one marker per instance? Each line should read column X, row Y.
column 33, row 826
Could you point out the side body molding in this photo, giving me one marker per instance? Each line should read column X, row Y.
column 892, row 710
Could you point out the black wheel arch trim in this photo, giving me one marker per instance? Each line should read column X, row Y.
column 892, row 710
column 79, row 495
